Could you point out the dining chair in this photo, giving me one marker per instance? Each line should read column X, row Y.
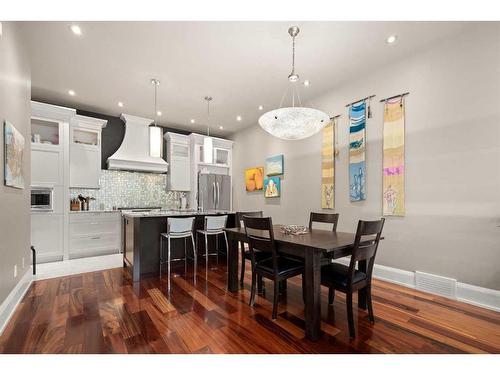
column 320, row 217
column 177, row 228
column 348, row 279
column 276, row 267
column 213, row 226
column 245, row 254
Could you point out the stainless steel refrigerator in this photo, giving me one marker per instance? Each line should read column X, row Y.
column 214, row 192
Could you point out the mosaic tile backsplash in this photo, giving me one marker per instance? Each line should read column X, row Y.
column 130, row 189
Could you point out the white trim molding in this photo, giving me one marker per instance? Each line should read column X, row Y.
column 471, row 294
column 10, row 303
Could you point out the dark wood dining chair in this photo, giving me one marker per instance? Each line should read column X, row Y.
column 276, row 267
column 319, row 217
column 348, row 279
column 245, row 254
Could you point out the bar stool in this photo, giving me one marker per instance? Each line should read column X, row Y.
column 214, row 226
column 177, row 228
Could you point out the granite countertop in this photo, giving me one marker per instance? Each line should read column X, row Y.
column 165, row 213
column 93, row 211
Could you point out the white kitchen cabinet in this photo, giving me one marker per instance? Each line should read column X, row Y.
column 179, row 159
column 85, row 152
column 46, row 236
column 94, row 233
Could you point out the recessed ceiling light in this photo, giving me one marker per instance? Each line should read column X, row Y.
column 261, row 108
column 221, row 127
column 158, row 113
column 120, row 104
column 307, row 83
column 391, row 39
column 76, row 29
column 238, row 118
column 71, row 92
column 192, row 121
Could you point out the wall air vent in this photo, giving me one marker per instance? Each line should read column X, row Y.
column 435, row 284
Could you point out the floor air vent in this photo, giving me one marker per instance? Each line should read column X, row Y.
column 443, row 286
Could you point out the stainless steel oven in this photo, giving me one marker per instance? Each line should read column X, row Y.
column 41, row 199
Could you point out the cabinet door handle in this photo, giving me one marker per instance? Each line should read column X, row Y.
column 95, row 238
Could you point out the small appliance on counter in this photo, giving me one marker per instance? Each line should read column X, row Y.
column 41, row 199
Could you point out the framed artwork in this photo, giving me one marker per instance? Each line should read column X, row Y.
column 274, row 165
column 393, row 178
column 272, row 187
column 254, row 178
column 357, row 146
column 328, row 166
column 14, row 157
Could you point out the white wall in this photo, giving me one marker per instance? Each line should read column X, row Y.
column 451, row 227
column 15, row 85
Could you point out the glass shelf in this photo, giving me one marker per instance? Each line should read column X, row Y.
column 85, row 137
column 44, row 132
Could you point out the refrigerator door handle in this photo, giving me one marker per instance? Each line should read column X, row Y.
column 218, row 195
column 214, row 194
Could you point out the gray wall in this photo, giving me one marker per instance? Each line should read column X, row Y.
column 15, row 86
column 451, row 227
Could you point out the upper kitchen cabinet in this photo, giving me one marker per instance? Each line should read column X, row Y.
column 85, row 152
column 179, row 159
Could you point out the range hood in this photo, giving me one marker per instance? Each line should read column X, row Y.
column 133, row 154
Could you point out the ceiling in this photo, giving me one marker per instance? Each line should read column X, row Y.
column 241, row 64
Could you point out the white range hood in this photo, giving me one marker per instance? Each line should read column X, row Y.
column 133, row 154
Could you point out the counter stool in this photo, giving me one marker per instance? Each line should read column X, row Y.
column 214, row 226
column 177, row 228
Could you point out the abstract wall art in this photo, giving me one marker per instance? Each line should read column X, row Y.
column 272, row 187
column 394, row 157
column 357, row 146
column 14, row 157
column 328, row 166
column 254, row 178
column 274, row 165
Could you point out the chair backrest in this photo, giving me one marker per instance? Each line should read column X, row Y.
column 240, row 214
column 320, row 217
column 177, row 225
column 365, row 245
column 215, row 223
column 259, row 231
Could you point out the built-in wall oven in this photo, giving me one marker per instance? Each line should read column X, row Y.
column 42, row 199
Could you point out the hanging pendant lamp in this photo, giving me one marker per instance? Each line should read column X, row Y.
column 208, row 146
column 293, row 123
column 155, row 132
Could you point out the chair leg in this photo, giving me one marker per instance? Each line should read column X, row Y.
column 350, row 316
column 304, row 288
column 275, row 299
column 161, row 253
column 331, row 295
column 242, row 273
column 168, row 263
column 252, row 291
column 185, row 258
column 195, row 256
column 206, row 251
column 369, row 302
column 260, row 284
column 217, row 247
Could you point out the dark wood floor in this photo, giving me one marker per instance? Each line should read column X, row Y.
column 104, row 312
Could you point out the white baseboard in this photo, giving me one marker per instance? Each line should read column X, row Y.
column 10, row 303
column 471, row 294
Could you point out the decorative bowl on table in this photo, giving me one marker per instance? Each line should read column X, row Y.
column 294, row 229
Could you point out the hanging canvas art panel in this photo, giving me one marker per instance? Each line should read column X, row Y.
column 274, row 165
column 14, row 157
column 254, row 178
column 328, row 166
column 272, row 187
column 394, row 158
column 357, row 147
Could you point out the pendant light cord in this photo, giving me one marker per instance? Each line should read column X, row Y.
column 293, row 55
column 208, row 118
column 156, row 111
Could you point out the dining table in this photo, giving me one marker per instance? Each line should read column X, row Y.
column 315, row 247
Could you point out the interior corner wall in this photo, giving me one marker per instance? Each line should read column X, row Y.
column 452, row 160
column 15, row 93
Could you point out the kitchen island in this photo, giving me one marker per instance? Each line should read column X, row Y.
column 141, row 238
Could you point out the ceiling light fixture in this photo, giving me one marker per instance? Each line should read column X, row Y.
column 76, row 30
column 221, row 127
column 261, row 108
column 120, row 104
column 391, row 39
column 71, row 92
column 192, row 121
column 293, row 123
column 155, row 132
column 208, row 146
column 306, row 83
column 238, row 118
column 158, row 113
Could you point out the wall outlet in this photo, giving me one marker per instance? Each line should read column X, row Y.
column 15, row 271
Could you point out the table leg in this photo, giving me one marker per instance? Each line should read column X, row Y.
column 362, row 292
column 232, row 265
column 313, row 294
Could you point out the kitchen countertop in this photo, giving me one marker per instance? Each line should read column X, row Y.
column 165, row 213
column 93, row 211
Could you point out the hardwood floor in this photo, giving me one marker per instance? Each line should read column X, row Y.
column 104, row 312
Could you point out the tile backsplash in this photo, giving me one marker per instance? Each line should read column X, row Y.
column 130, row 189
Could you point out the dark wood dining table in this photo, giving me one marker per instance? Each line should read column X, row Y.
column 313, row 247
